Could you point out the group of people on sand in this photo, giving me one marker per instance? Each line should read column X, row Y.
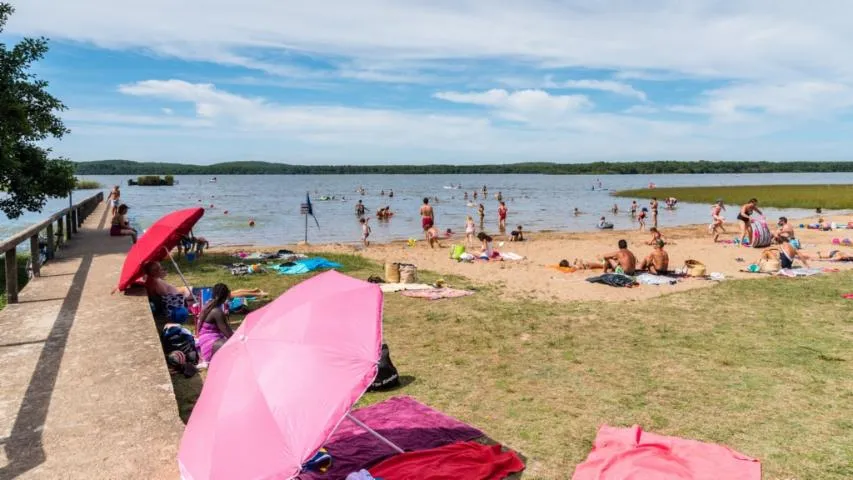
column 625, row 262
column 119, row 223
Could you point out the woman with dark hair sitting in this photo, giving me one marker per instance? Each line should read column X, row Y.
column 213, row 329
column 119, row 225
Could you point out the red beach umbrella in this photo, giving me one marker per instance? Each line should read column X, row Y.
column 157, row 242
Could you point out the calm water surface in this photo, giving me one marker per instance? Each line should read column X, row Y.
column 539, row 202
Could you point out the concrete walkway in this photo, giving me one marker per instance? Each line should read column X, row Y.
column 84, row 390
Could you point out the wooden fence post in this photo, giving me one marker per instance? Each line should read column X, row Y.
column 35, row 255
column 73, row 215
column 51, row 241
column 60, row 230
column 68, row 225
column 11, row 276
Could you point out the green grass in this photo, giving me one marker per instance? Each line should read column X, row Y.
column 834, row 197
column 23, row 276
column 739, row 364
column 86, row 184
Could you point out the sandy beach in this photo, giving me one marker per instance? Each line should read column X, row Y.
column 535, row 278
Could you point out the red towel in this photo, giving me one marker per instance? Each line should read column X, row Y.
column 620, row 453
column 457, row 461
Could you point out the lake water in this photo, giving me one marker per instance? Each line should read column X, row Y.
column 538, row 202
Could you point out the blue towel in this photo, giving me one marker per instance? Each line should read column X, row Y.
column 308, row 265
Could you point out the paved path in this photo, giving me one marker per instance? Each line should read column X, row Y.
column 84, row 390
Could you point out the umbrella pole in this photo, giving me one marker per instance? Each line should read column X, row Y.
column 180, row 274
column 375, row 433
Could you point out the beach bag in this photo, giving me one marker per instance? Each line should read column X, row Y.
column 387, row 376
column 761, row 236
column 408, row 273
column 456, row 251
column 694, row 268
column 769, row 265
column 392, row 272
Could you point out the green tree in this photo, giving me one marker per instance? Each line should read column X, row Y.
column 28, row 175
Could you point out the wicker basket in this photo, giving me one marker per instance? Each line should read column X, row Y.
column 392, row 273
column 694, row 268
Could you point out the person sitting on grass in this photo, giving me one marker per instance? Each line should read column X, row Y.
column 517, row 235
column 657, row 262
column 213, row 328
column 119, row 225
column 620, row 261
column 156, row 286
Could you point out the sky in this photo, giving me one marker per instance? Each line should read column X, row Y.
column 441, row 81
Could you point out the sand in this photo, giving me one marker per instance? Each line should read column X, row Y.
column 532, row 278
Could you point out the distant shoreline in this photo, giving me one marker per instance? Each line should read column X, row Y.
column 127, row 167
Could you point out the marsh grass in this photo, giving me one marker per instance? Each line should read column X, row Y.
column 763, row 366
column 834, row 197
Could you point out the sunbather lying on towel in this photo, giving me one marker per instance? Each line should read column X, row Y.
column 835, row 256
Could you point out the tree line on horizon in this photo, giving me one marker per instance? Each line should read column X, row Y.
column 127, row 167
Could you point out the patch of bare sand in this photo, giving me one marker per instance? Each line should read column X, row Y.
column 533, row 277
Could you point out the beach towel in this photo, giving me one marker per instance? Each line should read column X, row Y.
column 511, row 256
column 620, row 453
column 399, row 287
column 613, row 279
column 650, row 279
column 563, row 269
column 459, row 461
column 437, row 293
column 799, row 272
column 409, row 424
column 307, row 265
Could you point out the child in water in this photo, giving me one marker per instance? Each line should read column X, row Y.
column 642, row 218
column 365, row 231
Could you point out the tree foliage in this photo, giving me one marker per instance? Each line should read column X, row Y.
column 28, row 176
column 126, row 167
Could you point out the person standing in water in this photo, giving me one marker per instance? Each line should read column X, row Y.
column 502, row 217
column 642, row 218
column 717, row 220
column 427, row 218
column 359, row 208
column 482, row 211
column 634, row 208
column 391, row 194
column 654, row 205
column 615, row 209
column 500, row 196
column 485, row 190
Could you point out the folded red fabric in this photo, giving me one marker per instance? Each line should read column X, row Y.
column 457, row 461
column 621, row 453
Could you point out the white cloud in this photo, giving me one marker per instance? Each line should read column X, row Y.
column 522, row 105
column 611, row 86
column 748, row 39
column 641, row 110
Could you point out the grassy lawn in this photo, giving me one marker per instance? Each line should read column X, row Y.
column 835, row 197
column 739, row 363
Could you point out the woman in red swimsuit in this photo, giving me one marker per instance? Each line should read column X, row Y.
column 502, row 217
column 427, row 218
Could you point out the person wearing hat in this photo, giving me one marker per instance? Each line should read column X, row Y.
column 785, row 230
column 119, row 225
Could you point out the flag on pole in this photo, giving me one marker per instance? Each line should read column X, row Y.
column 310, row 209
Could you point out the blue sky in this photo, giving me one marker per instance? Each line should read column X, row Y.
column 447, row 82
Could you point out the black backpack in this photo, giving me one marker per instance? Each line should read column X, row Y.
column 386, row 376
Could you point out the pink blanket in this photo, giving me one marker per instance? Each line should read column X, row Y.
column 621, row 453
column 409, row 424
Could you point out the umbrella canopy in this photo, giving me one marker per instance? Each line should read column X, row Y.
column 166, row 232
column 280, row 386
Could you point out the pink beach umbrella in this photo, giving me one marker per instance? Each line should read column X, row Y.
column 280, row 386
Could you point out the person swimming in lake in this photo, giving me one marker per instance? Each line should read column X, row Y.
column 602, row 222
column 475, row 194
column 427, row 218
column 615, row 209
column 359, row 208
column 499, row 197
column 576, row 212
column 391, row 194
column 717, row 220
column 465, row 197
column 744, row 218
column 641, row 218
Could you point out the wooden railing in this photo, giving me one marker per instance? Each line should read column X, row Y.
column 67, row 221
